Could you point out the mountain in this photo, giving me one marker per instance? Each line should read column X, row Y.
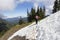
column 4, row 25
column 15, row 20
column 46, row 29
column 12, row 20
column 2, row 20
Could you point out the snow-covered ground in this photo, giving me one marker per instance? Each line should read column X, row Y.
column 46, row 29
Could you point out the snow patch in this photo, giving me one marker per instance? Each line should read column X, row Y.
column 46, row 29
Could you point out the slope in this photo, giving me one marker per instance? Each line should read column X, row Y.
column 46, row 29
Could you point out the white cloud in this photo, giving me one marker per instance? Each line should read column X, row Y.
column 7, row 4
column 11, row 4
column 21, row 1
column 2, row 16
column 35, row 5
column 35, row 2
column 48, row 3
column 50, row 7
column 47, row 12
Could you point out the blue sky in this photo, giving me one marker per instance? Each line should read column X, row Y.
column 20, row 10
column 15, row 8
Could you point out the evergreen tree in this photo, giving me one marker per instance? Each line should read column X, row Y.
column 21, row 20
column 59, row 5
column 55, row 7
column 3, row 25
column 28, row 16
column 43, row 12
column 38, row 11
column 32, row 13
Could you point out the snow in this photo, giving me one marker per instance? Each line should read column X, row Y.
column 46, row 29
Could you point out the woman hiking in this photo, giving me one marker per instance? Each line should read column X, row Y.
column 36, row 18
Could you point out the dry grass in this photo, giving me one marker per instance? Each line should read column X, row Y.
column 13, row 30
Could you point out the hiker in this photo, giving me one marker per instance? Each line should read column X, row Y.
column 36, row 18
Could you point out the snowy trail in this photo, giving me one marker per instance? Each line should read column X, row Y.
column 24, row 31
column 47, row 29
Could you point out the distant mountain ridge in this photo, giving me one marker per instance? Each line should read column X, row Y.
column 15, row 19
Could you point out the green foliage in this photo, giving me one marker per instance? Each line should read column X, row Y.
column 4, row 26
column 21, row 21
column 31, row 15
column 43, row 13
column 59, row 5
column 38, row 12
column 56, row 6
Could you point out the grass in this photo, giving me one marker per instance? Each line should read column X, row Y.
column 13, row 30
column 2, row 33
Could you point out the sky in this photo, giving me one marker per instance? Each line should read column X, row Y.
column 16, row 8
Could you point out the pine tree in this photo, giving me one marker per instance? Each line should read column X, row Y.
column 55, row 7
column 41, row 12
column 21, row 20
column 38, row 11
column 44, row 12
column 28, row 16
column 32, row 13
column 59, row 4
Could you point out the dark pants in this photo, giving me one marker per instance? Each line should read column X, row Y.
column 36, row 21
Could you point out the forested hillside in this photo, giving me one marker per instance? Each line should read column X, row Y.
column 4, row 26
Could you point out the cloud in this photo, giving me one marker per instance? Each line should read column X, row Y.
column 11, row 4
column 35, row 2
column 2, row 16
column 7, row 4
column 35, row 5
column 47, row 3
